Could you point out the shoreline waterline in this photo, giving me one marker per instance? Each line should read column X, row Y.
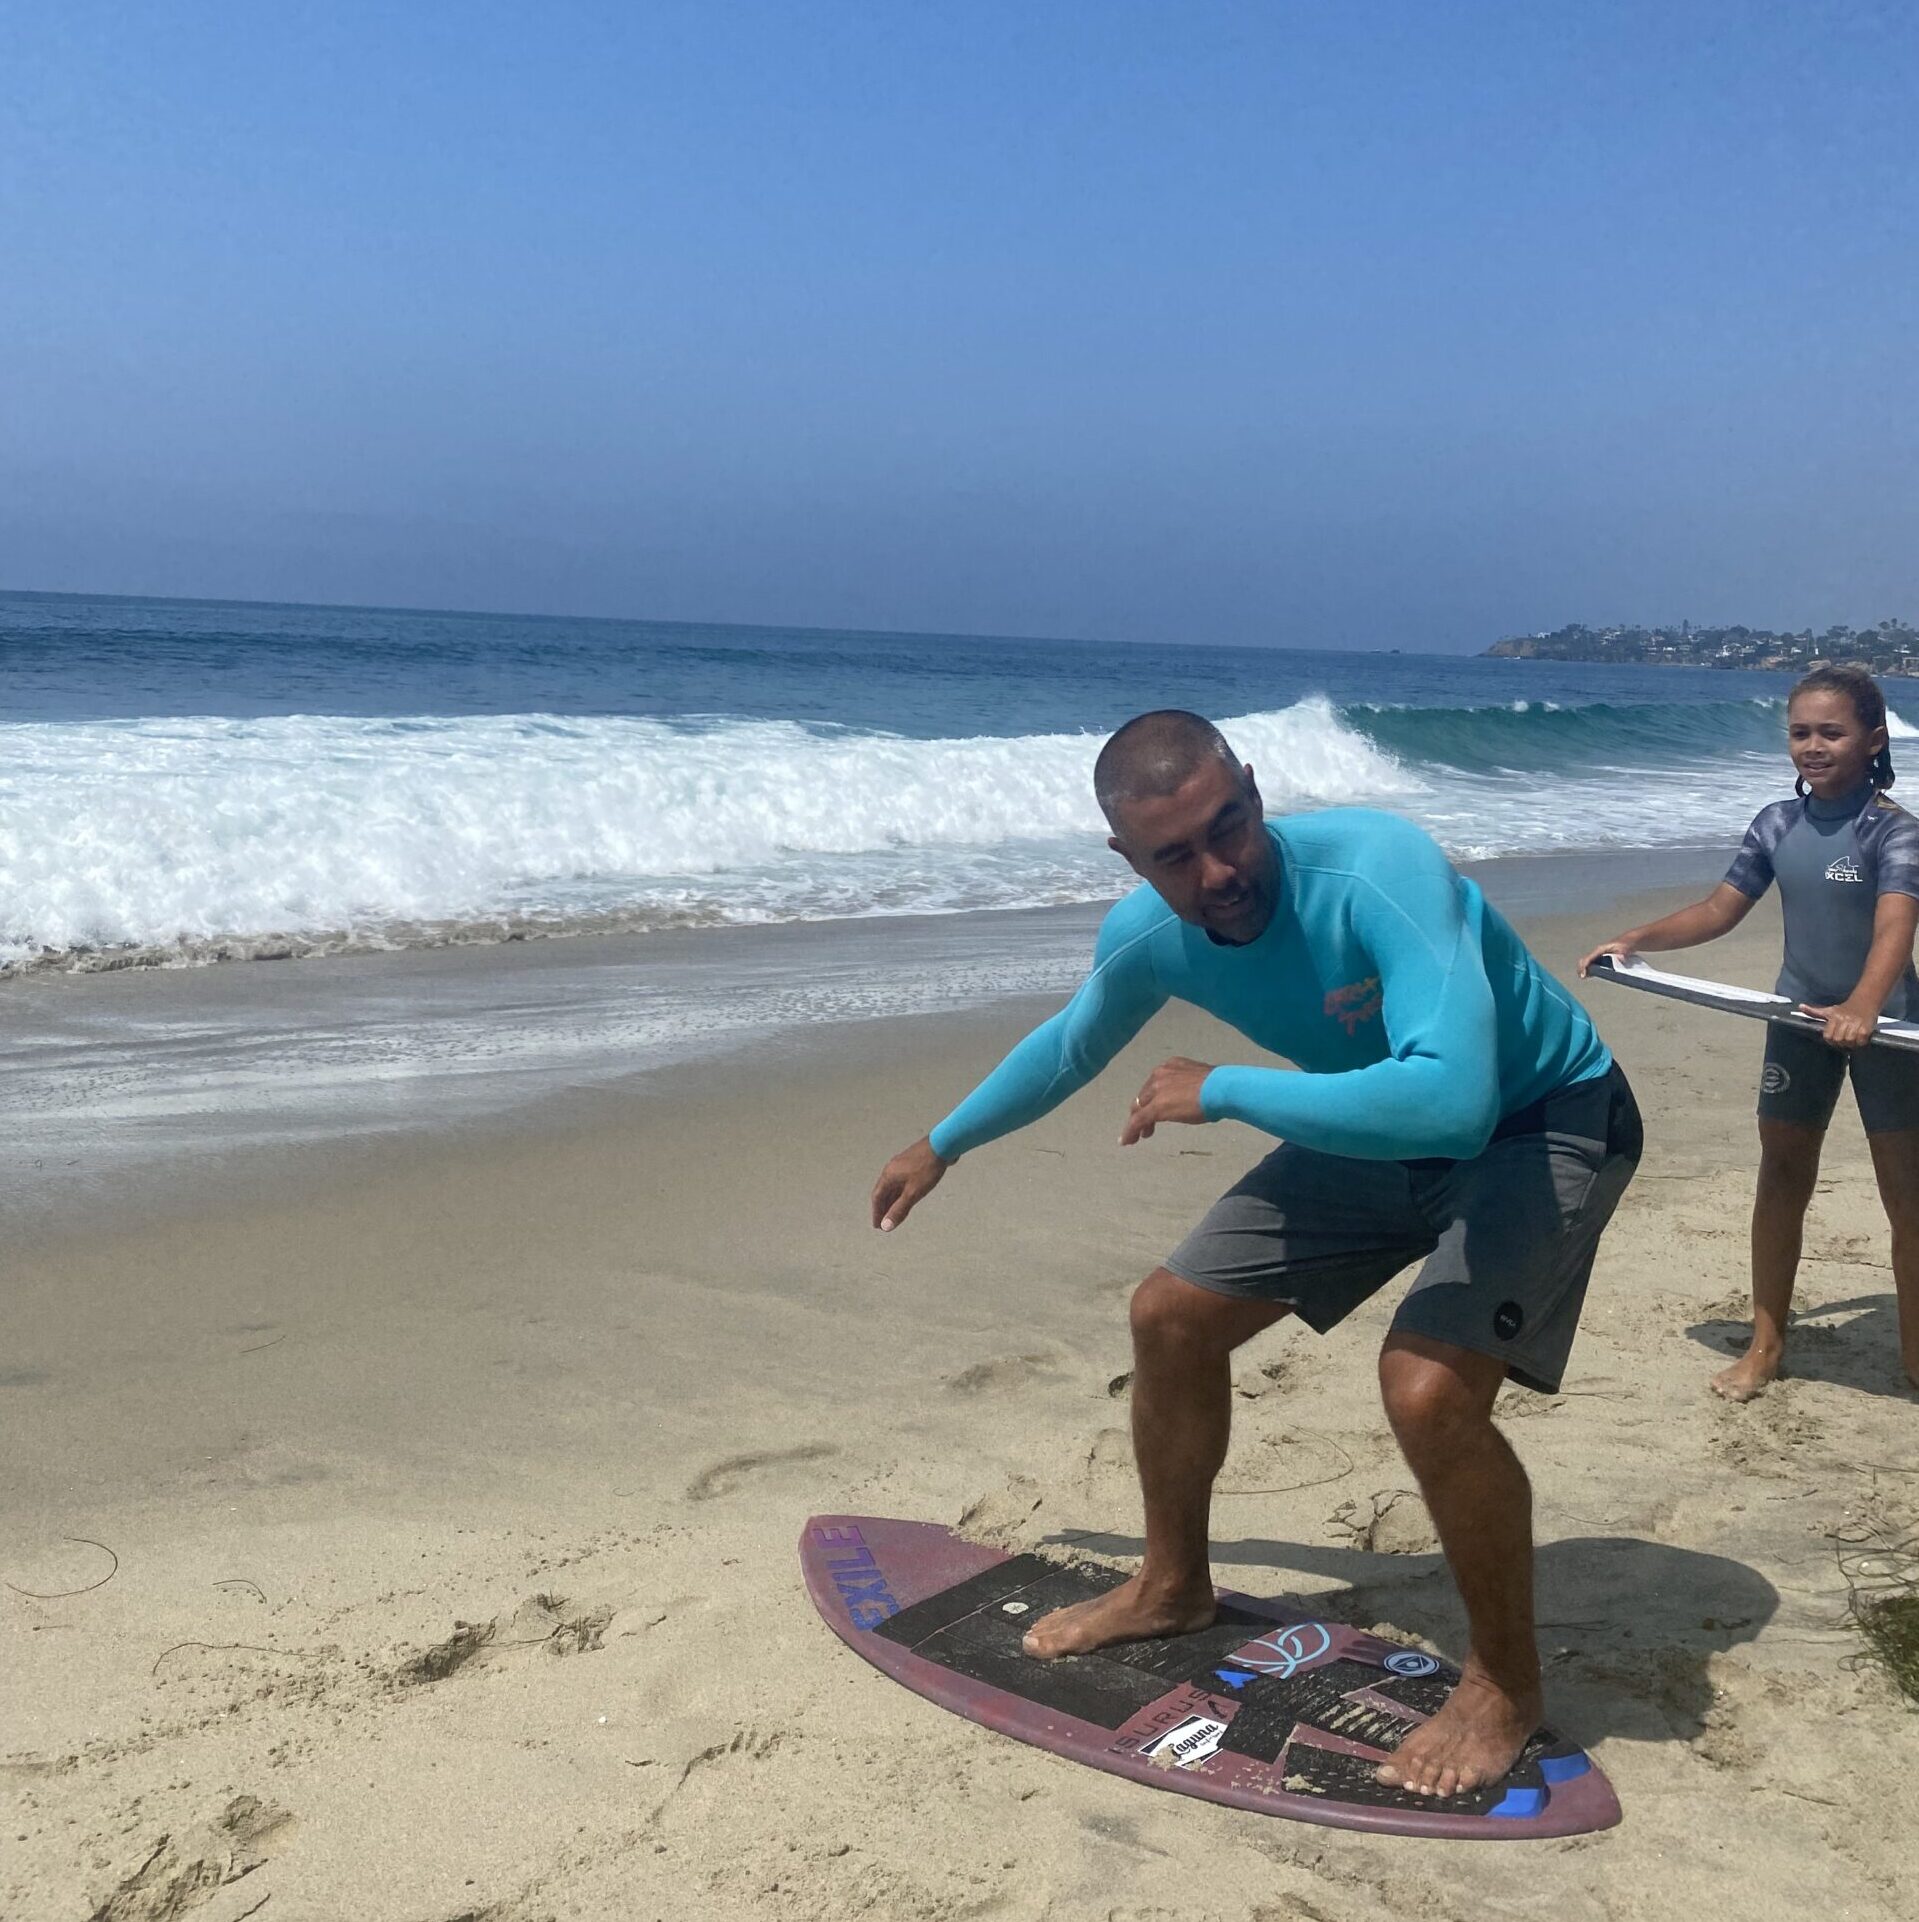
column 133, row 1085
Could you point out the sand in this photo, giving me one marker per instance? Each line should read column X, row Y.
column 432, row 1510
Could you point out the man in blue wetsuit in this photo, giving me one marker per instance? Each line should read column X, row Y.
column 1457, row 1106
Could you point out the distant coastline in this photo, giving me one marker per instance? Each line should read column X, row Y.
column 1892, row 647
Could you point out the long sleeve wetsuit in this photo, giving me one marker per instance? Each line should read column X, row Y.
column 1419, row 1016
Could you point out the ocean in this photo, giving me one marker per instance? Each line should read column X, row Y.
column 759, row 836
column 183, row 782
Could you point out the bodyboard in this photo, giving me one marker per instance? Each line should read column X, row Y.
column 1727, row 999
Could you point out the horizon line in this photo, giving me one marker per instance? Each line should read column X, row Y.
column 761, row 627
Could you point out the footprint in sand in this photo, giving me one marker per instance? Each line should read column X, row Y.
column 724, row 1477
column 1390, row 1521
column 1001, row 1516
column 1003, row 1372
column 181, row 1872
column 548, row 1622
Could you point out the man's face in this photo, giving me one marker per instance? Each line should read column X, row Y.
column 1204, row 847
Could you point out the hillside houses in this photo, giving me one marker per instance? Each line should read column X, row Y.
column 1891, row 647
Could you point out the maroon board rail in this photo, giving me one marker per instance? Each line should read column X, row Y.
column 1270, row 1709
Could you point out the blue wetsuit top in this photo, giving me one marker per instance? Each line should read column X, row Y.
column 1417, row 1013
column 1832, row 860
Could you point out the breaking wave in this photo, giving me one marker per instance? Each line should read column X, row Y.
column 192, row 839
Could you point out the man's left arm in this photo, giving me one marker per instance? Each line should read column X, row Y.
column 1437, row 1092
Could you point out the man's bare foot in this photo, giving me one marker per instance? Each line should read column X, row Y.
column 1750, row 1375
column 1473, row 1740
column 1132, row 1612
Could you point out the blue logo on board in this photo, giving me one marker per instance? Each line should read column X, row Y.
column 1286, row 1651
column 856, row 1574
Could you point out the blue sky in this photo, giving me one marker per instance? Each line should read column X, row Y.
column 1354, row 325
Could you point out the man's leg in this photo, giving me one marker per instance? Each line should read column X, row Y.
column 1788, row 1172
column 1439, row 1399
column 1895, row 1159
column 1183, row 1338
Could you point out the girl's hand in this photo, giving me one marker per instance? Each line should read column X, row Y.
column 1846, row 1026
column 1621, row 947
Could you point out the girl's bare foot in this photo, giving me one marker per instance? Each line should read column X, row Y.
column 1750, row 1375
column 1473, row 1740
column 1133, row 1612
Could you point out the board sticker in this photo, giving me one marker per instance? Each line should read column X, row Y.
column 1409, row 1661
column 1189, row 1744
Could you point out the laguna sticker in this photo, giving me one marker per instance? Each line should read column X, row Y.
column 1188, row 1743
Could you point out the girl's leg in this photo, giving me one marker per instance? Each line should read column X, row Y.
column 1788, row 1168
column 1895, row 1159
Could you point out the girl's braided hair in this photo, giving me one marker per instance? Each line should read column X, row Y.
column 1867, row 702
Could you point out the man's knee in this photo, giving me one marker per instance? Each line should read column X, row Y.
column 1162, row 1312
column 1436, row 1396
column 1172, row 1316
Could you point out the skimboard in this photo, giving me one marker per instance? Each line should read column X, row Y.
column 1730, row 1000
column 1269, row 1709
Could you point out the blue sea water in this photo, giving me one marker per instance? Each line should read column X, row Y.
column 183, row 781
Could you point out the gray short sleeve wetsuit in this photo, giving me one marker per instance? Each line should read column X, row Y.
column 1832, row 860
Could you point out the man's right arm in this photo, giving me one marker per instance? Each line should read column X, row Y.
column 1061, row 1055
column 1114, row 1002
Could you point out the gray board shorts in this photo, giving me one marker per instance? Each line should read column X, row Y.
column 1803, row 1074
column 1507, row 1238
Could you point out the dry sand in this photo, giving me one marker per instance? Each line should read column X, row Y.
column 453, row 1487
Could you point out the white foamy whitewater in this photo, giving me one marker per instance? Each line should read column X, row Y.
column 179, row 840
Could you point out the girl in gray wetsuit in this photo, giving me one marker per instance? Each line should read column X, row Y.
column 1846, row 858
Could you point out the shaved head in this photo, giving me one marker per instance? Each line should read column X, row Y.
column 1156, row 754
column 1187, row 818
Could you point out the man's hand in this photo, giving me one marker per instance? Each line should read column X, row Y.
column 1621, row 949
column 1171, row 1093
column 1846, row 1026
column 905, row 1182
